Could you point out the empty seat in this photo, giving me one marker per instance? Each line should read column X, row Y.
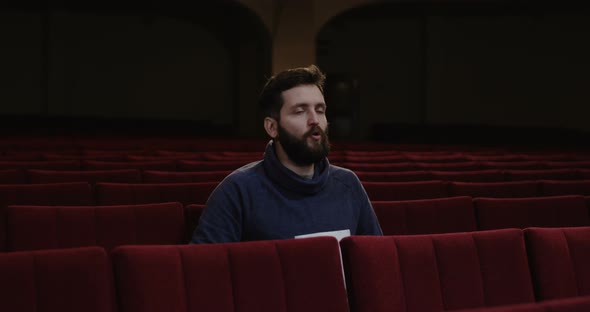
column 569, row 164
column 47, row 227
column 129, row 194
column 392, row 176
column 469, row 176
column 298, row 275
column 12, row 176
column 192, row 214
column 48, row 165
column 437, row 272
column 206, row 165
column 551, row 188
column 459, row 166
column 495, row 189
column 41, row 194
column 559, row 260
column 515, row 165
column 150, row 176
column 385, row 191
column 545, row 174
column 165, row 165
column 68, row 280
column 427, row 216
column 381, row 167
column 558, row 211
column 90, row 176
column 577, row 304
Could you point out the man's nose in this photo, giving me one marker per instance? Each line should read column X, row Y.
column 313, row 118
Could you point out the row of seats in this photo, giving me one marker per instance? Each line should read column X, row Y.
column 182, row 164
column 20, row 176
column 43, row 227
column 506, row 269
column 83, row 193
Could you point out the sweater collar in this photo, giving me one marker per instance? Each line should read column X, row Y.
column 288, row 179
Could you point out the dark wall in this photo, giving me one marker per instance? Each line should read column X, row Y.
column 471, row 64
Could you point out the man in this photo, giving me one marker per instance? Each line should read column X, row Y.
column 294, row 190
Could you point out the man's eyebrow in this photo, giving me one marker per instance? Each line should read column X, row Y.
column 307, row 104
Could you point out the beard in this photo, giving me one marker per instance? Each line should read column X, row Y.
column 299, row 151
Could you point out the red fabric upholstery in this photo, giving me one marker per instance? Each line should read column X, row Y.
column 192, row 214
column 569, row 164
column 129, row 194
column 49, row 165
column 392, row 176
column 547, row 174
column 495, row 189
column 427, row 216
column 302, row 275
column 12, row 176
column 205, row 165
column 437, row 272
column 386, row 191
column 40, row 194
column 47, row 227
column 584, row 174
column 69, row 280
column 559, row 260
column 379, row 167
column 578, row 304
column 90, row 176
column 183, row 177
column 449, row 158
column 558, row 211
column 581, row 187
column 515, row 165
column 166, row 165
column 469, row 176
column 459, row 166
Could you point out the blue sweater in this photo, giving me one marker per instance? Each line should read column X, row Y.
column 265, row 200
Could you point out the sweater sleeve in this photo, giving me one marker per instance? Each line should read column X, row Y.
column 368, row 223
column 221, row 219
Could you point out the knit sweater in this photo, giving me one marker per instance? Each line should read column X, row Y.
column 265, row 200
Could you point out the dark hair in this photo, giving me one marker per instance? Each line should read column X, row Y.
column 270, row 99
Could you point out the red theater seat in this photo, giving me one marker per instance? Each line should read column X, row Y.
column 12, row 176
column 558, row 211
column 559, row 260
column 90, row 176
column 385, row 191
column 68, row 280
column 459, row 166
column 298, row 275
column 515, row 165
column 545, row 174
column 165, row 165
column 150, row 176
column 427, row 216
column 437, row 272
column 192, row 214
column 551, row 188
column 48, row 165
column 380, row 167
column 578, row 304
column 49, row 227
column 469, row 176
column 206, row 165
column 130, row 194
column 495, row 189
column 404, row 176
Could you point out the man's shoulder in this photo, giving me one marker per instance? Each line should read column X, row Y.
column 246, row 172
column 344, row 175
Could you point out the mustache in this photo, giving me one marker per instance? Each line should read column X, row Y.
column 315, row 129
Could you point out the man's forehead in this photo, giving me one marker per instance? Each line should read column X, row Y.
column 303, row 94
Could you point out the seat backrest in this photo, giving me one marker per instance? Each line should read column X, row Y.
column 34, row 164
column 151, row 176
column 210, row 165
column 469, row 176
column 559, row 260
column 67, row 280
column 437, row 272
column 545, row 174
column 393, row 176
column 12, row 176
column 130, row 193
column 90, row 176
column 578, row 304
column 167, row 165
column 552, row 188
column 495, row 189
column 47, row 227
column 555, row 211
column 297, row 275
column 386, row 191
column 426, row 216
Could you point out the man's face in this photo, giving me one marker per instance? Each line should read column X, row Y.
column 302, row 128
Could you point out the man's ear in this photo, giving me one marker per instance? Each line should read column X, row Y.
column 271, row 127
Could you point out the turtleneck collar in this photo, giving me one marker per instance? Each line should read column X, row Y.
column 288, row 179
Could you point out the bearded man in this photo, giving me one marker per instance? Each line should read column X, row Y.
column 293, row 191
